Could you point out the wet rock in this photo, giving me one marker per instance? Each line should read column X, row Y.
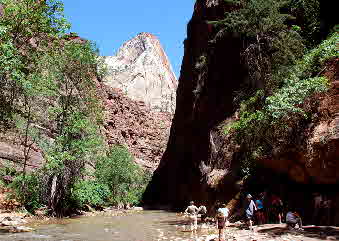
column 10, row 223
column 21, row 229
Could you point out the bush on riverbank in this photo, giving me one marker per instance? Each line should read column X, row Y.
column 126, row 180
column 27, row 190
column 91, row 192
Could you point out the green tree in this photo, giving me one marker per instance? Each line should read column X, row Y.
column 125, row 179
column 270, row 45
column 48, row 84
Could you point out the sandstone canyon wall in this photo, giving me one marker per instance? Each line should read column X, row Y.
column 202, row 164
column 141, row 69
column 203, row 102
column 131, row 123
column 139, row 98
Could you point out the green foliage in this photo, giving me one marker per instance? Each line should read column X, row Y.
column 126, row 180
column 27, row 190
column 286, row 101
column 264, row 121
column 7, row 170
column 308, row 13
column 90, row 192
column 270, row 45
column 47, row 81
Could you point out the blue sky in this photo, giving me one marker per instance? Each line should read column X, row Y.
column 110, row 23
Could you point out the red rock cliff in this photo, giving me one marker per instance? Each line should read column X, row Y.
column 203, row 165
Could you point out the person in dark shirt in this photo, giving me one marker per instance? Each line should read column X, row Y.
column 277, row 208
column 203, row 212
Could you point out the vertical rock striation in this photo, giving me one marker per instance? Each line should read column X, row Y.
column 202, row 164
column 204, row 100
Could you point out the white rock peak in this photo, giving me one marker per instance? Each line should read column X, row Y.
column 141, row 69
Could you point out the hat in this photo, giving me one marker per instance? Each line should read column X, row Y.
column 249, row 196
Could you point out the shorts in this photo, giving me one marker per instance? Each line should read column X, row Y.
column 277, row 209
column 193, row 222
column 248, row 216
column 221, row 222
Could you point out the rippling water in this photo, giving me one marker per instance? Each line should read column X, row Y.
column 143, row 226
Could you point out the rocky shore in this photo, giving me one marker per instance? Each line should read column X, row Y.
column 267, row 232
column 15, row 222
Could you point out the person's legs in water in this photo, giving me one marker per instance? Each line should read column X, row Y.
column 221, row 234
column 195, row 222
column 249, row 221
column 260, row 217
column 221, row 221
column 191, row 222
column 299, row 222
column 280, row 217
column 203, row 218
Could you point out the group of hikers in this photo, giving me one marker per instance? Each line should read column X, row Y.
column 259, row 211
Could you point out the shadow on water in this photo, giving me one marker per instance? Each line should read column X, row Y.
column 315, row 232
column 4, row 231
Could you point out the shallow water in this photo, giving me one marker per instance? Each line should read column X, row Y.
column 146, row 225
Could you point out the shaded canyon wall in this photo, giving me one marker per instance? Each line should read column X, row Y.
column 202, row 164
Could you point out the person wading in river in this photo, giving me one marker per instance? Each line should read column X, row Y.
column 249, row 208
column 192, row 212
column 203, row 213
column 221, row 217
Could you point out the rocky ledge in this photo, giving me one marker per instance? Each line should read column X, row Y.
column 132, row 124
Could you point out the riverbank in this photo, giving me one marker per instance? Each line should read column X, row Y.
column 148, row 226
column 273, row 232
column 23, row 221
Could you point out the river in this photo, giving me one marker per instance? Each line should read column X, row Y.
column 142, row 226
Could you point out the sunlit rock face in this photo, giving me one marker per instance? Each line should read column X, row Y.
column 142, row 71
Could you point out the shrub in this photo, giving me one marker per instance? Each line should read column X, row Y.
column 27, row 190
column 125, row 179
column 90, row 192
column 7, row 170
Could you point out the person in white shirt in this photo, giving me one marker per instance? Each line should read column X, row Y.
column 249, row 208
column 222, row 214
column 192, row 212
